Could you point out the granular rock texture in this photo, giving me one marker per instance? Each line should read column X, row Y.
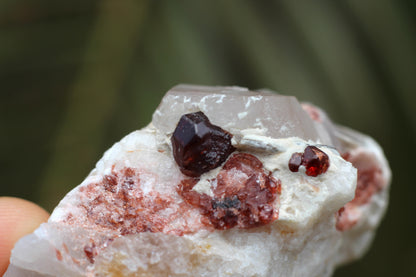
column 223, row 182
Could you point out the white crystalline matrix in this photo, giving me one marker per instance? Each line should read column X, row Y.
column 223, row 182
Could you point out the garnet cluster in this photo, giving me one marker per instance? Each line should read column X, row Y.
column 243, row 194
column 199, row 146
column 314, row 160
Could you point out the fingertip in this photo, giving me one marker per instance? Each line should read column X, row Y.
column 18, row 217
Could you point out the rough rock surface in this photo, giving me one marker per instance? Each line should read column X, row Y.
column 137, row 214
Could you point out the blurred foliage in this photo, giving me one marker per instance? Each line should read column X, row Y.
column 76, row 76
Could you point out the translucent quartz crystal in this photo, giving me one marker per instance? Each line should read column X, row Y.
column 236, row 109
column 297, row 196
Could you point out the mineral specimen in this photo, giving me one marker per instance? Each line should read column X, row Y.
column 223, row 182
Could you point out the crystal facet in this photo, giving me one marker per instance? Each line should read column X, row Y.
column 295, row 162
column 236, row 109
column 315, row 161
column 243, row 195
column 198, row 146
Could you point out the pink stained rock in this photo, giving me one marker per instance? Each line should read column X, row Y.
column 137, row 214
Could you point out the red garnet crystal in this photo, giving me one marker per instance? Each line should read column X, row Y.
column 295, row 161
column 244, row 194
column 315, row 161
column 199, row 146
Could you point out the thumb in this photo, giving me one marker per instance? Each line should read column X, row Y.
column 18, row 217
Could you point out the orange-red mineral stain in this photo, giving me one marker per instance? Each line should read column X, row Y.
column 369, row 182
column 244, row 195
column 58, row 255
column 313, row 112
column 90, row 252
column 347, row 217
column 125, row 202
column 118, row 203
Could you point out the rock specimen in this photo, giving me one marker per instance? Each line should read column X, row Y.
column 223, row 182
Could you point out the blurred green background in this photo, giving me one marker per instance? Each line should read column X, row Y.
column 76, row 76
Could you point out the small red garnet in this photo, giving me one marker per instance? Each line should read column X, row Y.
column 315, row 161
column 295, row 161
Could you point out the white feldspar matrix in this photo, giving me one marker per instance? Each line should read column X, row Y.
column 223, row 182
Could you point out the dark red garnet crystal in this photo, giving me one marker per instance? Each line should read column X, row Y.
column 199, row 146
column 315, row 161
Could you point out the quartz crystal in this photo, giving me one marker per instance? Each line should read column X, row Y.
column 223, row 182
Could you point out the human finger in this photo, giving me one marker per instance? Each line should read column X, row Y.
column 18, row 217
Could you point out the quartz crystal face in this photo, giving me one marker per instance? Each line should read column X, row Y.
column 223, row 182
column 236, row 109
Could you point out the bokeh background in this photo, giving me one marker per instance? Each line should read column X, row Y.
column 76, row 76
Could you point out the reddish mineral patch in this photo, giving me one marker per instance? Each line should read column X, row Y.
column 369, row 182
column 312, row 111
column 347, row 217
column 119, row 203
column 244, row 195
column 90, row 251
column 58, row 255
